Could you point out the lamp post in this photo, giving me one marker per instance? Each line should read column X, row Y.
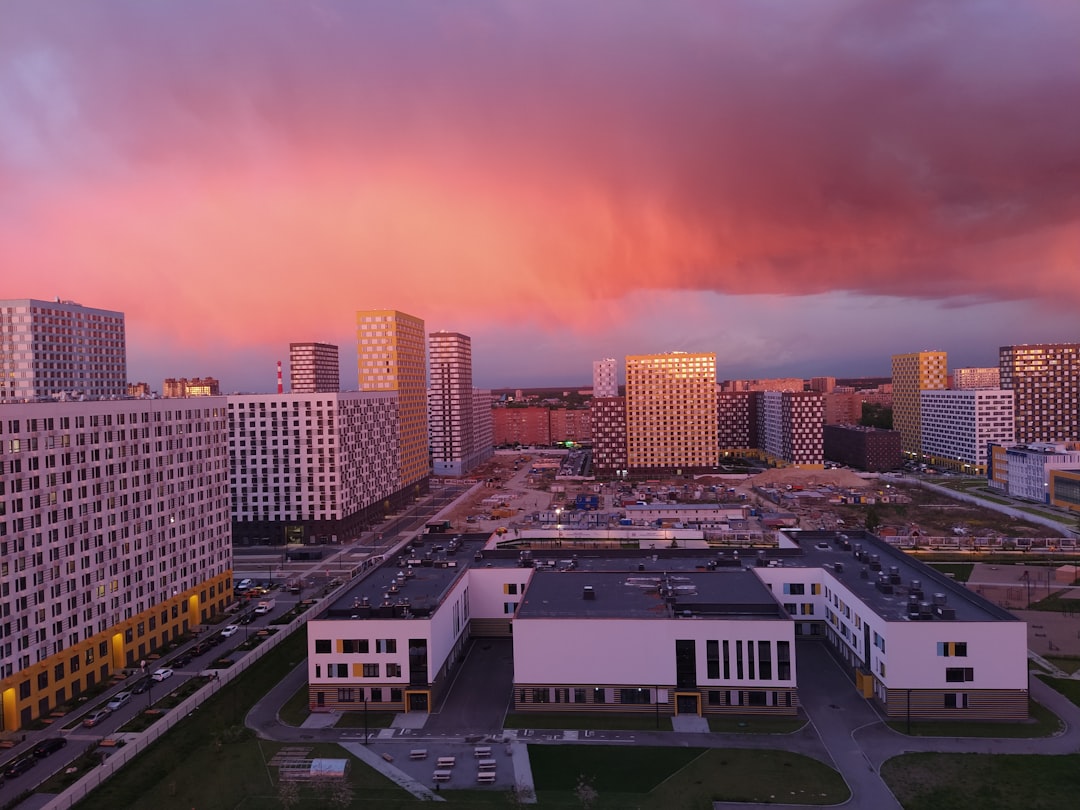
column 365, row 718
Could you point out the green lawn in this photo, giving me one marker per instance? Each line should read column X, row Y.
column 598, row 722
column 1067, row 686
column 981, row 782
column 677, row 778
column 1066, row 663
column 1043, row 723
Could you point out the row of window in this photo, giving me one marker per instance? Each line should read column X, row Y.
column 355, row 645
column 357, row 670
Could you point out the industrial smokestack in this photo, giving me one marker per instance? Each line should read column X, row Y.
column 280, row 385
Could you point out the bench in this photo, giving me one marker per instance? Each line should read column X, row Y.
column 418, row 753
column 446, row 762
column 485, row 777
column 486, row 764
column 482, row 751
column 441, row 776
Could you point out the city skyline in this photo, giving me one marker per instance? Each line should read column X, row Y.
column 803, row 191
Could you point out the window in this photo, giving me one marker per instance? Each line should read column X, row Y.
column 756, row 698
column 783, row 660
column 393, row 670
column 599, row 695
column 712, row 659
column 541, row 696
column 791, row 608
column 345, row 695
column 794, row 588
column 509, row 607
column 322, row 645
column 371, row 671
column 806, row 608
column 727, row 661
column 956, row 700
column 959, row 674
column 354, row 645
column 716, row 697
column 952, row 649
column 386, row 645
column 376, row 694
column 764, row 660
column 634, row 696
column 579, row 695
column 815, row 588
column 510, row 588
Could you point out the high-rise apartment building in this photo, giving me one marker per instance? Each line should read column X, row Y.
column 957, row 426
column 1046, row 380
column 964, row 379
column 609, row 435
column 483, row 424
column 313, row 368
column 311, row 468
column 790, row 427
column 671, row 420
column 912, row 374
column 114, row 540
column 604, row 380
column 51, row 349
column 452, row 407
column 823, row 385
column 737, row 422
column 391, row 357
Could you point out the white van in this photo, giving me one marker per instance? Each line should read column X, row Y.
column 244, row 584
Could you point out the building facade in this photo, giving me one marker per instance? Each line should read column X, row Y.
column 959, row 426
column 528, row 426
column 53, row 349
column 1065, row 488
column 967, row 378
column 605, row 383
column 114, row 540
column 312, row 468
column 864, row 448
column 737, row 422
column 1045, row 378
column 314, row 369
column 790, row 425
column 174, row 388
column 391, row 357
column 671, row 412
column 911, row 375
column 1023, row 471
column 571, row 425
column 609, row 436
column 456, row 447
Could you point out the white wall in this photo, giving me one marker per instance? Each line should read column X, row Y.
column 633, row 651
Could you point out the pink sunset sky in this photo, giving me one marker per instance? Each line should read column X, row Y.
column 803, row 188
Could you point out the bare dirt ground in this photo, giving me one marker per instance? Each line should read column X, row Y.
column 810, row 478
column 1014, row 587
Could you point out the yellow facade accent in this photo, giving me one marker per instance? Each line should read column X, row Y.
column 63, row 676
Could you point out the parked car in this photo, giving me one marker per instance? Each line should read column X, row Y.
column 118, row 700
column 244, row 584
column 19, row 767
column 49, row 746
column 141, row 686
column 230, row 630
column 96, row 717
column 162, row 674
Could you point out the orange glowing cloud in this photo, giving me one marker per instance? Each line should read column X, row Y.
column 246, row 178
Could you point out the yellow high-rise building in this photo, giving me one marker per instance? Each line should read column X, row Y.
column 671, row 407
column 911, row 374
column 391, row 356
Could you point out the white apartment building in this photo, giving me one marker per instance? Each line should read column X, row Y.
column 60, row 349
column 605, row 383
column 114, row 540
column 1023, row 471
column 311, row 467
column 459, row 416
column 958, row 426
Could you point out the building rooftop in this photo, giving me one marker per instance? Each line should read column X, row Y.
column 636, row 594
column 890, row 581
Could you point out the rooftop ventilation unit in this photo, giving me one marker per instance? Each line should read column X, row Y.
column 588, row 592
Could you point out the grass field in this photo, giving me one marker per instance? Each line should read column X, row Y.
column 980, row 782
column 961, row 571
column 679, row 778
column 1043, row 723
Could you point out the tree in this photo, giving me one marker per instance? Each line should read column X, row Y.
column 585, row 792
column 288, row 793
column 873, row 519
